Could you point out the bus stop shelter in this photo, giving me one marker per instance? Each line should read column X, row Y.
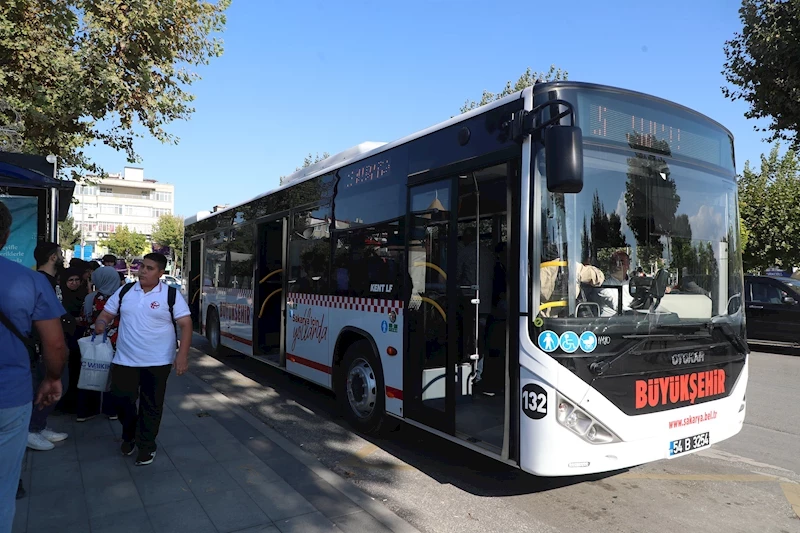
column 37, row 202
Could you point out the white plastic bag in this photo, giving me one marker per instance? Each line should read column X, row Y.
column 96, row 357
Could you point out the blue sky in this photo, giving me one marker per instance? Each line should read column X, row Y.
column 300, row 77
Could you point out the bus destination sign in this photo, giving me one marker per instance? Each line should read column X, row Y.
column 654, row 127
column 367, row 172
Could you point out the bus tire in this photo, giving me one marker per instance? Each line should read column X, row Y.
column 360, row 390
column 213, row 332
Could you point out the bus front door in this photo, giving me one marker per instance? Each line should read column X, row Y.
column 456, row 349
column 269, row 302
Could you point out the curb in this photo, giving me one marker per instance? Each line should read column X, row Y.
column 358, row 497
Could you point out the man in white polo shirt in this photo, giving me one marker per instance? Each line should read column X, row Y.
column 146, row 344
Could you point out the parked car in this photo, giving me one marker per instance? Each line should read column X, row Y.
column 772, row 306
column 172, row 281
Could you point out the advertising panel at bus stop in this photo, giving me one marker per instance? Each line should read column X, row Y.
column 22, row 241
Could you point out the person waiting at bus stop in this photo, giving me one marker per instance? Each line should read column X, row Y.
column 27, row 302
column 50, row 264
column 106, row 281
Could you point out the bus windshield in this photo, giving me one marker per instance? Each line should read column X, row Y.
column 652, row 240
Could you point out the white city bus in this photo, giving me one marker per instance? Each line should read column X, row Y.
column 553, row 280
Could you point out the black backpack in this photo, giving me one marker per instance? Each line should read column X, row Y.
column 172, row 294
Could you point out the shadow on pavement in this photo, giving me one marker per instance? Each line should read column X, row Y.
column 294, row 407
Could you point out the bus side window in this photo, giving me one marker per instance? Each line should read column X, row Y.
column 368, row 262
column 309, row 254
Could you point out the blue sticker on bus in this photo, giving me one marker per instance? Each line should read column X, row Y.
column 384, row 326
column 588, row 341
column 548, row 341
column 569, row 341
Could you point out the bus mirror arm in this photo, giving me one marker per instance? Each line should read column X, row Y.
column 563, row 144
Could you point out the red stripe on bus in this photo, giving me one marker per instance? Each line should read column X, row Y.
column 309, row 363
column 237, row 338
column 391, row 392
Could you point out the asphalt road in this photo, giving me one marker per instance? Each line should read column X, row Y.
column 743, row 485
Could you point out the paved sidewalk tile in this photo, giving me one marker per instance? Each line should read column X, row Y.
column 161, row 486
column 309, row 523
column 135, row 521
column 232, row 510
column 360, row 522
column 187, row 516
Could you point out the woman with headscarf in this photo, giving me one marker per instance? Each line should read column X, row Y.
column 106, row 282
column 72, row 295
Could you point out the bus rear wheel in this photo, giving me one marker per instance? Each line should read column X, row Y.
column 360, row 388
column 213, row 331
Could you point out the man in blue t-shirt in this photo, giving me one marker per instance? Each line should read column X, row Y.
column 26, row 301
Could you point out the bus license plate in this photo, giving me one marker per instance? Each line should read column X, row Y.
column 677, row 447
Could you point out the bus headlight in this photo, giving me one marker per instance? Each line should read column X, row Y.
column 582, row 424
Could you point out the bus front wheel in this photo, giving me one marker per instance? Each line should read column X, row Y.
column 213, row 331
column 360, row 388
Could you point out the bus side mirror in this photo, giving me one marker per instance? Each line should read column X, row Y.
column 564, row 159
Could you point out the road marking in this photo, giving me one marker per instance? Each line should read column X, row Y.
column 747, row 478
column 792, row 493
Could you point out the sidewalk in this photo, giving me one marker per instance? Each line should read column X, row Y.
column 218, row 469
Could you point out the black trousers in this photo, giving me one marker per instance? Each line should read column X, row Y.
column 148, row 384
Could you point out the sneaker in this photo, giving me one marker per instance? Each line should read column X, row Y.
column 127, row 447
column 84, row 418
column 145, row 458
column 53, row 436
column 37, row 442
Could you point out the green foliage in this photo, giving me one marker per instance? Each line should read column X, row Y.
column 81, row 72
column 527, row 79
column 168, row 231
column 769, row 204
column 126, row 244
column 761, row 65
column 309, row 160
column 606, row 231
column 68, row 234
column 650, row 189
column 312, row 159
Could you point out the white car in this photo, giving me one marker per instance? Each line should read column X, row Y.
column 171, row 281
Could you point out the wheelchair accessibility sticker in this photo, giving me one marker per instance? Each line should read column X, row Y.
column 569, row 341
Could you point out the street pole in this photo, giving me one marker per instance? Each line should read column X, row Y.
column 53, row 160
column 83, row 218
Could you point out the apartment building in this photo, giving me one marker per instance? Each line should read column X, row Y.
column 124, row 199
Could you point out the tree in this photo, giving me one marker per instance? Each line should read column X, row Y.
column 651, row 197
column 126, row 245
column 761, row 66
column 168, row 231
column 769, row 205
column 79, row 72
column 309, row 160
column 11, row 128
column 527, row 79
column 68, row 234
